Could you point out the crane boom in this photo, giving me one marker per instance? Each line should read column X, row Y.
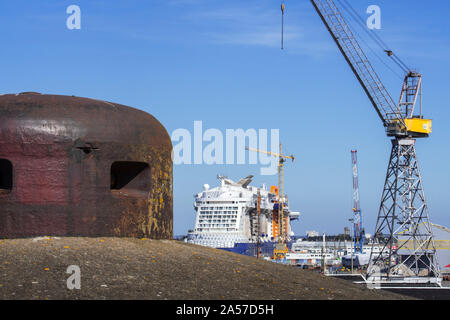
column 271, row 153
column 356, row 58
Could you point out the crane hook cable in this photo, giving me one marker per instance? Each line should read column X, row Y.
column 375, row 53
column 375, row 37
column 282, row 25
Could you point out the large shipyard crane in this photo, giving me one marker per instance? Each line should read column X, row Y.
column 279, row 221
column 403, row 223
column 358, row 230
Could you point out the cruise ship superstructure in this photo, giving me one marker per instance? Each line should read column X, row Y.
column 227, row 217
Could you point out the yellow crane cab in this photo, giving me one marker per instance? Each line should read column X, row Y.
column 415, row 127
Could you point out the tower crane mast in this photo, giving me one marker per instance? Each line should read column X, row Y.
column 280, row 223
column 358, row 231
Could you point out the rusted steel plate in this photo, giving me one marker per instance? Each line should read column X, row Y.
column 62, row 151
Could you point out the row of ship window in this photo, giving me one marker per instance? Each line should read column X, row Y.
column 219, row 212
column 225, row 216
column 217, row 229
column 218, row 208
column 218, row 225
column 217, row 220
column 218, row 202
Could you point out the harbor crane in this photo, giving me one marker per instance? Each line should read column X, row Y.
column 279, row 221
column 403, row 216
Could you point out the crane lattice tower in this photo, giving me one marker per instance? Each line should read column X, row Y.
column 403, row 223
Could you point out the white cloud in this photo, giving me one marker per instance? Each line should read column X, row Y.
column 267, row 38
column 259, row 26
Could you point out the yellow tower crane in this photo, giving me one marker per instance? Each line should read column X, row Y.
column 279, row 224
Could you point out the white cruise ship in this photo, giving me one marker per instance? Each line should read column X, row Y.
column 227, row 217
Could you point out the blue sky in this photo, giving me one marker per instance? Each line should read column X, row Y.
column 220, row 62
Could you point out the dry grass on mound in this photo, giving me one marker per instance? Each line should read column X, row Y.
column 123, row 268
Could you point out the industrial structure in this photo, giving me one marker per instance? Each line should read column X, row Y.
column 358, row 230
column 72, row 166
column 238, row 217
column 403, row 214
column 280, row 218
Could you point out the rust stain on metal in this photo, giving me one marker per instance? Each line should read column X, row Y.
column 82, row 167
